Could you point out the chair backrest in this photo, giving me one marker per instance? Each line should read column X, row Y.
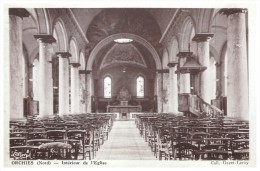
column 17, row 141
column 37, row 142
column 56, row 134
column 37, row 135
column 56, row 150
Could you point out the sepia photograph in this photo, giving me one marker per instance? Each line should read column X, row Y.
column 130, row 85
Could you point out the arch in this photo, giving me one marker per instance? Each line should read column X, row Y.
column 33, row 15
column 74, row 50
column 136, row 38
column 62, row 37
column 43, row 21
column 82, row 60
column 165, row 59
column 204, row 20
column 188, row 26
column 34, row 54
column 174, row 49
column 215, row 54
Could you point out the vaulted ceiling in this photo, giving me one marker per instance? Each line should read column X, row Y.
column 158, row 16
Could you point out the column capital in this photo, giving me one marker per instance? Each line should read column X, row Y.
column 46, row 38
column 20, row 12
column 83, row 71
column 162, row 71
column 172, row 64
column 75, row 64
column 63, row 54
column 230, row 11
column 202, row 37
column 184, row 54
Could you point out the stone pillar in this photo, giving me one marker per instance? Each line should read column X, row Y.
column 63, row 82
column 16, row 64
column 75, row 88
column 202, row 40
column 184, row 78
column 165, row 90
column 159, row 87
column 89, row 91
column 35, row 79
column 83, row 91
column 173, row 88
column 25, row 78
column 237, row 90
column 45, row 86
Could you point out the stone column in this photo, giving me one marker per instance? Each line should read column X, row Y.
column 45, row 86
column 237, row 90
column 159, row 87
column 16, row 64
column 184, row 78
column 89, row 91
column 35, row 79
column 75, row 88
column 202, row 40
column 165, row 90
column 63, row 82
column 173, row 88
column 25, row 78
column 83, row 91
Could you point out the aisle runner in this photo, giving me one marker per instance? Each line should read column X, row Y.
column 125, row 143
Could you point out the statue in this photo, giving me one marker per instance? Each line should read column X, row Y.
column 124, row 96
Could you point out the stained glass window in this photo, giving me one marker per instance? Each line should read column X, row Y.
column 107, row 87
column 140, row 86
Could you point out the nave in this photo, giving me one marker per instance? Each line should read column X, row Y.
column 125, row 143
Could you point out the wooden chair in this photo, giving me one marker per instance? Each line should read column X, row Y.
column 56, row 134
column 22, row 152
column 217, row 148
column 56, row 150
column 78, row 145
column 240, row 149
column 184, row 151
column 36, row 135
column 38, row 142
column 17, row 141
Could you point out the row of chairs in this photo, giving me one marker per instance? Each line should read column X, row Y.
column 59, row 137
column 184, row 138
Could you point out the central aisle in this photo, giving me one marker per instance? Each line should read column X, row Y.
column 125, row 143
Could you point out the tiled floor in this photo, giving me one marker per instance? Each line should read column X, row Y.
column 125, row 143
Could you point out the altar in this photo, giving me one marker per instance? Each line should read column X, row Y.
column 124, row 109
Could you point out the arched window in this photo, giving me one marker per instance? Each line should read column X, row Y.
column 107, row 87
column 140, row 86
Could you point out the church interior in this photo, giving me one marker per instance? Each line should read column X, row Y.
column 128, row 84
